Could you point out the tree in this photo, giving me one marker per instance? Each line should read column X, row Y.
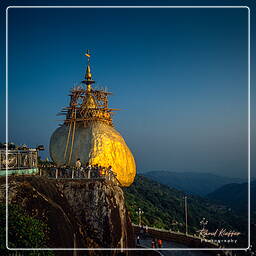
column 24, row 231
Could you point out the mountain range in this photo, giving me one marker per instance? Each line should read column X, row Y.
column 235, row 195
column 192, row 182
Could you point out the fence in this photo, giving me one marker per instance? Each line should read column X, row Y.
column 192, row 241
column 18, row 159
column 78, row 173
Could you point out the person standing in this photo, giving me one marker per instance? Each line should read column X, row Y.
column 97, row 171
column 103, row 172
column 159, row 243
column 110, row 172
column 100, row 171
column 94, row 171
column 106, row 173
column 78, row 163
column 78, row 166
column 138, row 240
column 153, row 243
column 85, row 172
column 89, row 169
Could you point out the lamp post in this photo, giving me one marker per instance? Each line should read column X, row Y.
column 203, row 223
column 186, row 213
column 139, row 212
column 174, row 225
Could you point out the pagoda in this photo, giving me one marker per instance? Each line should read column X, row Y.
column 88, row 133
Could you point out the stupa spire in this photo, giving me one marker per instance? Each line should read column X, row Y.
column 88, row 75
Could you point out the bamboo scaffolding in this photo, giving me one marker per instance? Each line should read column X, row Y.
column 73, row 136
column 79, row 113
column 66, row 148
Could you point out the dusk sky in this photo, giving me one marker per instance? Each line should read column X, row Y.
column 179, row 76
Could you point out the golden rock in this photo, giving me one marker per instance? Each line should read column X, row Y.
column 98, row 143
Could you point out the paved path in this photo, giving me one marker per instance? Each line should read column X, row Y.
column 168, row 244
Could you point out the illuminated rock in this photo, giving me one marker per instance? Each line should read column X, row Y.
column 98, row 143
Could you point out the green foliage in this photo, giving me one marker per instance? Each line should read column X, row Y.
column 159, row 205
column 23, row 231
column 232, row 193
column 163, row 207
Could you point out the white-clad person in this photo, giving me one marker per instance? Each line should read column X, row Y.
column 78, row 167
column 89, row 171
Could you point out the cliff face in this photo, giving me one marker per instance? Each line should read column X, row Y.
column 79, row 213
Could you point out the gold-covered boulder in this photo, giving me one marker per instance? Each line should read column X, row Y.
column 98, row 143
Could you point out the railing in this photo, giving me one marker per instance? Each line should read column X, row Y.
column 179, row 237
column 78, row 174
column 18, row 159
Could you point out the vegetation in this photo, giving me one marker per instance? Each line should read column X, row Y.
column 232, row 193
column 23, row 231
column 163, row 207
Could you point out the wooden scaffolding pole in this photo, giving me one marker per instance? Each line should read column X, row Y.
column 73, row 136
column 65, row 153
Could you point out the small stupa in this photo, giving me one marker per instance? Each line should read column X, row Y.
column 88, row 133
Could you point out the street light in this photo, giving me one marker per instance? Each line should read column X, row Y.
column 186, row 213
column 203, row 223
column 139, row 212
column 174, row 225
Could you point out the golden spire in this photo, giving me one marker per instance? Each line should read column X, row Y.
column 88, row 75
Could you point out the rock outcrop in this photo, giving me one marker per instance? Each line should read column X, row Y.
column 79, row 213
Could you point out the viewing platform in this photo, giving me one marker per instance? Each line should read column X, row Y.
column 18, row 161
column 73, row 174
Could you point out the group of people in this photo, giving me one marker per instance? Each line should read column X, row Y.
column 87, row 171
column 155, row 243
column 145, row 235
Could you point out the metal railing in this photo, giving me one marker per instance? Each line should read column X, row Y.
column 78, row 173
column 147, row 229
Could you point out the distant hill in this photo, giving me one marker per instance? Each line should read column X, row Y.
column 235, row 196
column 191, row 182
column 163, row 206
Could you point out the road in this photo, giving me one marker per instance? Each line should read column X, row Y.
column 168, row 244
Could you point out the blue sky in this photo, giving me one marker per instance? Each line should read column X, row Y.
column 179, row 76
